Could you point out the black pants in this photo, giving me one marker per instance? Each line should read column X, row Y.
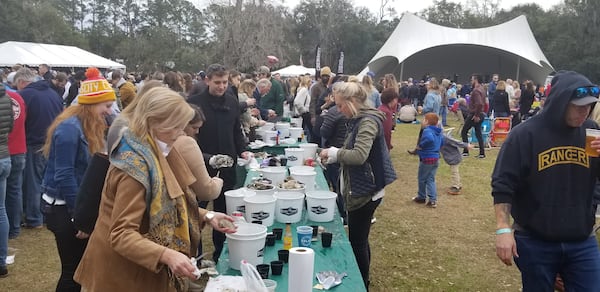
column 70, row 248
column 333, row 176
column 469, row 123
column 359, row 227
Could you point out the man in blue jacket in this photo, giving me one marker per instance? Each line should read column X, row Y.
column 544, row 179
column 43, row 105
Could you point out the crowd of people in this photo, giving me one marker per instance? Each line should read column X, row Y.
column 165, row 134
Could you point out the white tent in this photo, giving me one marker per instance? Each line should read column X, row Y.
column 417, row 47
column 294, row 70
column 34, row 54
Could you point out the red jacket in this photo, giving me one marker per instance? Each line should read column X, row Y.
column 16, row 138
column 388, row 122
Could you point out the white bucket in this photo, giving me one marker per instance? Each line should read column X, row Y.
column 295, row 156
column 247, row 243
column 234, row 200
column 320, row 205
column 268, row 126
column 296, row 133
column 302, row 168
column 288, row 208
column 296, row 122
column 275, row 173
column 308, row 178
column 284, row 129
column 260, row 207
column 310, row 150
column 270, row 137
column 260, row 134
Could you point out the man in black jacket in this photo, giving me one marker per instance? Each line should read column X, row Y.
column 220, row 134
column 545, row 180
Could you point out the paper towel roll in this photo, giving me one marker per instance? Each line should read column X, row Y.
column 301, row 269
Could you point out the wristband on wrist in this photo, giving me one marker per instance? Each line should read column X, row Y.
column 503, row 230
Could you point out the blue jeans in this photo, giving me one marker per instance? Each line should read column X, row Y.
column 426, row 178
column 444, row 114
column 4, row 171
column 539, row 261
column 35, row 165
column 14, row 194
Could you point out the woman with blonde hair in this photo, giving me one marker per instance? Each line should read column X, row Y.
column 373, row 94
column 249, row 117
column 500, row 102
column 366, row 167
column 74, row 136
column 148, row 225
column 389, row 81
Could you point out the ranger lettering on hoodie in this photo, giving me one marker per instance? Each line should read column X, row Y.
column 563, row 155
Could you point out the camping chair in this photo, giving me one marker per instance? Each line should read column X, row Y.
column 486, row 129
column 500, row 130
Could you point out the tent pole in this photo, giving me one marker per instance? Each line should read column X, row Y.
column 518, row 68
column 401, row 71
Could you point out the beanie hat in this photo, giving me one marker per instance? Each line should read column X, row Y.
column 95, row 89
column 326, row 71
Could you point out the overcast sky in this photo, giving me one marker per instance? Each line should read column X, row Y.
column 408, row 5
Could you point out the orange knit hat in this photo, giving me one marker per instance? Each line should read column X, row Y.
column 95, row 89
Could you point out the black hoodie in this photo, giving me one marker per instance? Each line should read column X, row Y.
column 543, row 172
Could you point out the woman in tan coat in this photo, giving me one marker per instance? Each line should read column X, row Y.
column 148, row 225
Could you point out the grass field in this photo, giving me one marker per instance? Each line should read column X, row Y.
column 414, row 248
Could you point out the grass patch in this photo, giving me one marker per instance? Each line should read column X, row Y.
column 414, row 248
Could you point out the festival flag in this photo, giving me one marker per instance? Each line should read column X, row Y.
column 318, row 62
column 340, row 69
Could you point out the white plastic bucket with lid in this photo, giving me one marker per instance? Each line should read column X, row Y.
column 296, row 133
column 260, row 207
column 284, row 129
column 310, row 150
column 275, row 173
column 247, row 243
column 320, row 205
column 302, row 168
column 268, row 126
column 234, row 200
column 296, row 122
column 260, row 134
column 288, row 208
column 270, row 137
column 295, row 156
column 306, row 177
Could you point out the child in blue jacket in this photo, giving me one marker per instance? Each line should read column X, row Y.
column 429, row 154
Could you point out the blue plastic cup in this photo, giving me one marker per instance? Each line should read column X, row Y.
column 304, row 235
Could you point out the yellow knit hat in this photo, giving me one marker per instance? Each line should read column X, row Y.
column 95, row 89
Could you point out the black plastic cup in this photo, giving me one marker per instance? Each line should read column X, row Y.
column 326, row 239
column 315, row 230
column 263, row 270
column 270, row 239
column 283, row 255
column 283, row 161
column 278, row 232
column 276, row 267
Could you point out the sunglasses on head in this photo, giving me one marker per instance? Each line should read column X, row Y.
column 582, row 92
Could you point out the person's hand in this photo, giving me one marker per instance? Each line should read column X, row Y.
column 81, row 235
column 470, row 146
column 324, row 154
column 595, row 144
column 219, row 226
column 178, row 263
column 251, row 101
column 246, row 155
column 272, row 114
column 506, row 248
column 261, row 123
column 255, row 112
column 476, row 119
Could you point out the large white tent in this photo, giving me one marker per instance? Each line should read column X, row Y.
column 417, row 48
column 294, row 70
column 34, row 54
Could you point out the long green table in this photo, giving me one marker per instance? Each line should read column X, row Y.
column 339, row 257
